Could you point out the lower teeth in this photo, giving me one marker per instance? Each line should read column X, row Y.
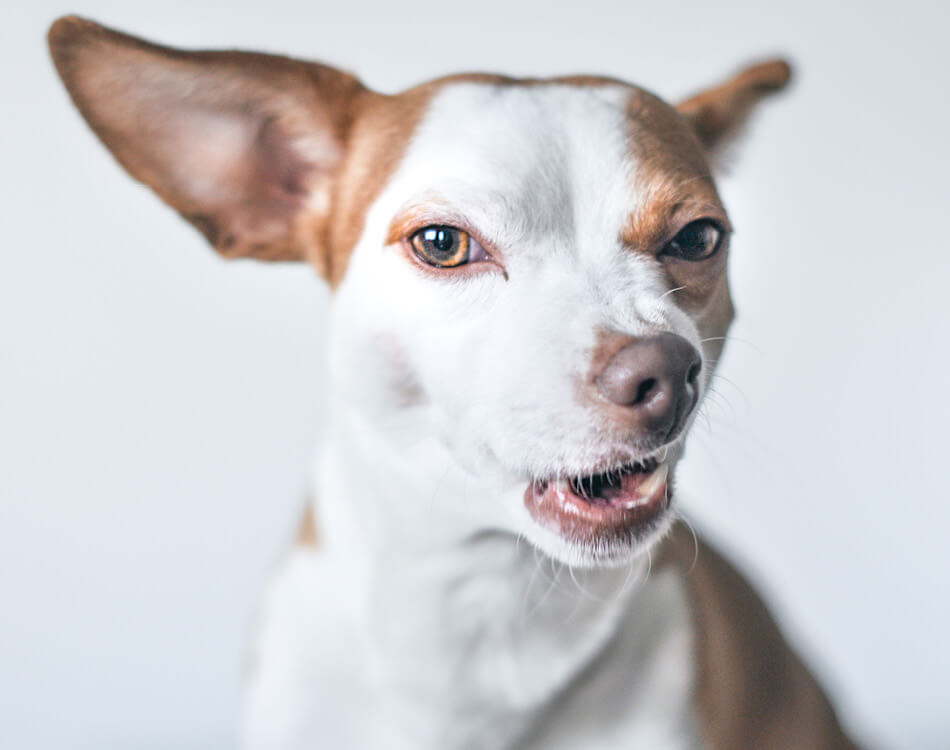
column 597, row 488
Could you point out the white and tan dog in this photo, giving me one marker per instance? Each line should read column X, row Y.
column 530, row 296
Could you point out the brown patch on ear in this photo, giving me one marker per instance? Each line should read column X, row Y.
column 244, row 146
column 718, row 114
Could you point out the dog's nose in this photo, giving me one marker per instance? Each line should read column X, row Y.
column 656, row 380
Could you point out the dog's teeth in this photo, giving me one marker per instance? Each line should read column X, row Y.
column 654, row 483
column 561, row 487
column 635, row 503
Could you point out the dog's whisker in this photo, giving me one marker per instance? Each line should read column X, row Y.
column 692, row 532
column 719, row 400
column 724, row 379
column 671, row 291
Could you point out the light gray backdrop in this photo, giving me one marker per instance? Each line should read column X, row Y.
column 158, row 406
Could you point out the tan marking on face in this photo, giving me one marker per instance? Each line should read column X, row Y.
column 376, row 146
column 674, row 186
column 672, row 181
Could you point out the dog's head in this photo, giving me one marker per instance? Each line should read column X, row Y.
column 532, row 273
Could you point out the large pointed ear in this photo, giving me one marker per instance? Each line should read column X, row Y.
column 244, row 146
column 718, row 115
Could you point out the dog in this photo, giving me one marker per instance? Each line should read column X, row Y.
column 529, row 298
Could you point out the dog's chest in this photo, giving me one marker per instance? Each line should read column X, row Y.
column 557, row 659
column 638, row 691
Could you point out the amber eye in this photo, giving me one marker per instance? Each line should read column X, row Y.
column 442, row 246
column 698, row 240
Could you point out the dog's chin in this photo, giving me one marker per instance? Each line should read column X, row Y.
column 605, row 519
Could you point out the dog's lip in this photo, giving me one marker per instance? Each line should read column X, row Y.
column 608, row 503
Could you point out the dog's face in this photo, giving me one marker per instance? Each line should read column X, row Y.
column 535, row 242
column 529, row 274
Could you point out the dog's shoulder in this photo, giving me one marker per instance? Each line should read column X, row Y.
column 752, row 690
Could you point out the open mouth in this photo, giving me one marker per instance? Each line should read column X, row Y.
column 623, row 500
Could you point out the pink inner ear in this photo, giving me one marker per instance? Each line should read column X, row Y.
column 238, row 176
column 221, row 158
column 235, row 141
column 242, row 173
column 278, row 164
column 202, row 153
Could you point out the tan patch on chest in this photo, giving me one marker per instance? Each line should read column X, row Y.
column 307, row 535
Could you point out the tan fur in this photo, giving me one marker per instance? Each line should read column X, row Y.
column 718, row 114
column 673, row 176
column 307, row 535
column 753, row 692
column 676, row 186
column 376, row 146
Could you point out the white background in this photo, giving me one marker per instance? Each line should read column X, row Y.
column 158, row 406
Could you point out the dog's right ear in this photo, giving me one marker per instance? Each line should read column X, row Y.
column 718, row 114
column 244, row 146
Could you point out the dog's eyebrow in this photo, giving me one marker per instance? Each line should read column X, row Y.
column 417, row 215
column 671, row 181
column 665, row 205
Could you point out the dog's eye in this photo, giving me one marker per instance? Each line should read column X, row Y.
column 698, row 240
column 446, row 247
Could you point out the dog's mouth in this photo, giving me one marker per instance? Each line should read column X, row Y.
column 627, row 500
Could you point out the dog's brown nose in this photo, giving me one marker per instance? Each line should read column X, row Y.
column 656, row 380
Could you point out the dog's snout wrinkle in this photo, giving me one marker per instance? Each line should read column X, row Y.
column 655, row 380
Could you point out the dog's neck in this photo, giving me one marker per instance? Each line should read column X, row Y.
column 470, row 633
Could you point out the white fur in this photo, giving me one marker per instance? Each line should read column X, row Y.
column 438, row 614
column 525, row 653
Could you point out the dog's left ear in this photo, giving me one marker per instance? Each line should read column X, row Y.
column 718, row 115
column 244, row 146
